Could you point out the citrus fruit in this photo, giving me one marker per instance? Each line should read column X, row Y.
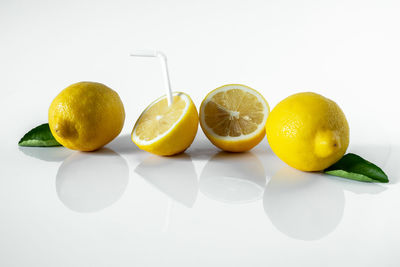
column 167, row 130
column 233, row 117
column 308, row 131
column 86, row 115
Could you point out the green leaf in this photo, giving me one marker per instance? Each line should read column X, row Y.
column 354, row 167
column 39, row 136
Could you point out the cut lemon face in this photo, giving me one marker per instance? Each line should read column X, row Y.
column 167, row 130
column 233, row 117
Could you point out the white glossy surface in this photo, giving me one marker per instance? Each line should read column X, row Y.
column 120, row 206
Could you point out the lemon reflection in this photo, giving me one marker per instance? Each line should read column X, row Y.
column 89, row 182
column 304, row 206
column 233, row 178
column 174, row 176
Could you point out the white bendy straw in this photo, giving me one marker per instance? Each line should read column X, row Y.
column 163, row 59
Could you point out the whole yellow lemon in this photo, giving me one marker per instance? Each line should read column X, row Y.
column 86, row 115
column 308, row 131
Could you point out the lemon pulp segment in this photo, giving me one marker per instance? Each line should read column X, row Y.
column 159, row 118
column 233, row 112
column 233, row 117
column 167, row 130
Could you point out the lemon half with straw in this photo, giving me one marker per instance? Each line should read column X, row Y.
column 233, row 117
column 164, row 129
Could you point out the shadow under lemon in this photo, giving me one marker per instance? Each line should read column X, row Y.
column 56, row 154
column 92, row 181
column 202, row 148
column 123, row 144
column 233, row 178
column 174, row 176
column 309, row 206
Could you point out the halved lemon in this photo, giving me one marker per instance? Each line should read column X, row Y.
column 167, row 130
column 233, row 117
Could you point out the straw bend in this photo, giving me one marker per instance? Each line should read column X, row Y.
column 163, row 58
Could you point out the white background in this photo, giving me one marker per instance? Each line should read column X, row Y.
column 124, row 207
